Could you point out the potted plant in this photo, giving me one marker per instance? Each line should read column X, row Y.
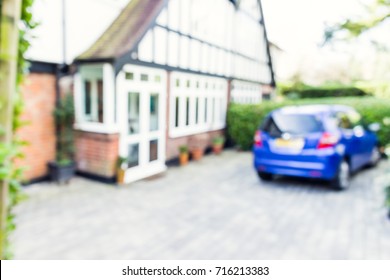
column 197, row 145
column 183, row 155
column 218, row 144
column 197, row 153
column 63, row 168
column 122, row 166
column 387, row 200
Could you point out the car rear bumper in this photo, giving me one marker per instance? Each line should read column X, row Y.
column 322, row 166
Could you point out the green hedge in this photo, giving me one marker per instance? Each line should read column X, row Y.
column 243, row 120
column 305, row 91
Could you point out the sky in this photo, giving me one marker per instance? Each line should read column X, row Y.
column 299, row 24
column 81, row 33
column 297, row 27
column 294, row 25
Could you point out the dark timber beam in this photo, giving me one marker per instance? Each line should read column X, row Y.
column 271, row 68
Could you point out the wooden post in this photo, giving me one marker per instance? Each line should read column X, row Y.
column 9, row 40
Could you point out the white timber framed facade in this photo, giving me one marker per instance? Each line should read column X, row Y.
column 163, row 73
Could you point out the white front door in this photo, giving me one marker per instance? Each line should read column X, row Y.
column 141, row 103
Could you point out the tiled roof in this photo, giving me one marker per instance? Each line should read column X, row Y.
column 126, row 30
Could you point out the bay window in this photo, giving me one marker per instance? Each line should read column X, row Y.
column 95, row 97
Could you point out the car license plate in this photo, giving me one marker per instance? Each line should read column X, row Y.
column 289, row 143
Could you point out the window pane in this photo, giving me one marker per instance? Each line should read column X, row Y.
column 100, row 100
column 133, row 156
column 196, row 110
column 153, row 150
column 177, row 112
column 87, row 90
column 133, row 113
column 187, row 110
column 221, row 110
column 297, row 124
column 144, row 77
column 154, row 112
column 205, row 109
column 129, row 76
column 212, row 110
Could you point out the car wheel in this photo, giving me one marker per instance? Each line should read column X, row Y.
column 265, row 176
column 375, row 156
column 342, row 180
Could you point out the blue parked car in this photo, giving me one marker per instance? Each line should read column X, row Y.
column 316, row 141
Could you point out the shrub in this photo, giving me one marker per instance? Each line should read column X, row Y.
column 243, row 120
column 305, row 91
column 64, row 116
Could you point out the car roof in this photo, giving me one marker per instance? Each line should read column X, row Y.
column 312, row 109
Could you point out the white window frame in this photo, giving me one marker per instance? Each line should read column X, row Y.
column 215, row 116
column 93, row 73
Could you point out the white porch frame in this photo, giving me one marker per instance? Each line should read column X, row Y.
column 125, row 86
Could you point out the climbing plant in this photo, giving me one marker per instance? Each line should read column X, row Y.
column 9, row 153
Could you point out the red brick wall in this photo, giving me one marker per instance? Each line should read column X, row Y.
column 96, row 153
column 39, row 99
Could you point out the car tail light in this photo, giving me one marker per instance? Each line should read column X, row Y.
column 258, row 142
column 327, row 140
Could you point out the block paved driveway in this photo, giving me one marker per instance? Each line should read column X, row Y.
column 213, row 209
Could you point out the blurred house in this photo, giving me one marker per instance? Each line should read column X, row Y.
column 147, row 76
column 278, row 61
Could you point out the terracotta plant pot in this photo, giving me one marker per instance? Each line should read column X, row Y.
column 217, row 148
column 120, row 176
column 197, row 154
column 183, row 158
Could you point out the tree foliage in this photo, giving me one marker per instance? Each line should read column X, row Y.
column 376, row 13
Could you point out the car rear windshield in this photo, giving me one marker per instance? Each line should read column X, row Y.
column 294, row 124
